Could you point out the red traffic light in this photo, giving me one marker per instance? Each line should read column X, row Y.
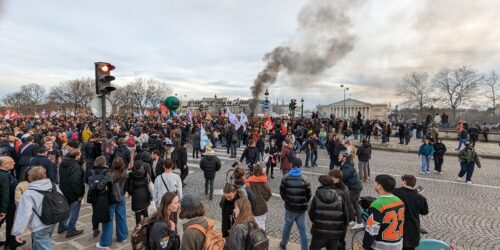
column 106, row 68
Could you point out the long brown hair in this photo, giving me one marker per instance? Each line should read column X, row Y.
column 118, row 169
column 245, row 215
column 163, row 212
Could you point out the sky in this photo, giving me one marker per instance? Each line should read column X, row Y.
column 203, row 48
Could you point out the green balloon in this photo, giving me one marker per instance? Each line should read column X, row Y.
column 172, row 103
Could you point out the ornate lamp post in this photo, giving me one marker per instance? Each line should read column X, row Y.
column 302, row 107
column 345, row 89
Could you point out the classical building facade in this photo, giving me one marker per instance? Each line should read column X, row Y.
column 352, row 107
column 217, row 105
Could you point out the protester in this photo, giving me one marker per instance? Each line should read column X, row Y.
column 209, row 164
column 244, row 223
column 27, row 151
column 7, row 203
column 262, row 192
column 415, row 205
column 156, row 164
column 426, row 151
column 99, row 194
column 439, row 150
column 163, row 234
column 286, row 157
column 295, row 190
column 121, row 152
column 272, row 159
column 193, row 210
column 167, row 182
column 195, row 141
column 250, row 155
column 181, row 161
column 329, row 214
column 137, row 187
column 364, row 154
column 468, row 159
column 230, row 195
column 72, row 186
column 30, row 207
column 351, row 180
column 381, row 217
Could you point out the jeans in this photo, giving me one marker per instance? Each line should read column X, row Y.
column 461, row 142
column 466, row 168
column 223, row 141
column 322, row 141
column 414, row 132
column 354, row 194
column 116, row 211
column 317, row 244
column 313, row 156
column 70, row 223
column 209, row 183
column 233, row 149
column 42, row 239
column 300, row 219
column 426, row 160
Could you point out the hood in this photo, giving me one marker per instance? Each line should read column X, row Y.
column 43, row 184
column 145, row 156
column 295, row 172
column 138, row 173
column 67, row 162
column 340, row 185
column 256, row 179
column 326, row 194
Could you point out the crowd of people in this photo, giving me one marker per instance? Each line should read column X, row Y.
column 49, row 160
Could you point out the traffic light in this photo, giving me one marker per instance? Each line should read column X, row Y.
column 293, row 104
column 103, row 77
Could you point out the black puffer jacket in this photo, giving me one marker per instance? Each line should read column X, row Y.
column 364, row 152
column 329, row 214
column 210, row 164
column 145, row 160
column 137, row 187
column 295, row 191
column 71, row 179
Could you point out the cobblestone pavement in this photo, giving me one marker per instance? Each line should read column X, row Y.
column 466, row 215
column 484, row 149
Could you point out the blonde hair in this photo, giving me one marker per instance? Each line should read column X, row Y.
column 37, row 173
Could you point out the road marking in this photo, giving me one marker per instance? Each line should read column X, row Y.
column 220, row 192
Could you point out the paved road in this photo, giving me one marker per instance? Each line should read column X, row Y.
column 466, row 215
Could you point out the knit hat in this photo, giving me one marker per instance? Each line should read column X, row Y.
column 191, row 200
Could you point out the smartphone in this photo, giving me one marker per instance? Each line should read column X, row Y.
column 419, row 189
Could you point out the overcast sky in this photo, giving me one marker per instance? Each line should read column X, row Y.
column 207, row 47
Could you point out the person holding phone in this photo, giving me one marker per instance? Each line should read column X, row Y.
column 415, row 205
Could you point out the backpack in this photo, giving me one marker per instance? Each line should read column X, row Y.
column 98, row 182
column 55, row 208
column 140, row 235
column 234, row 138
column 74, row 136
column 131, row 141
column 256, row 239
column 117, row 191
column 213, row 238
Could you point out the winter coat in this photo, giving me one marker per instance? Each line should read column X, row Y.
column 137, row 187
column 44, row 161
column 4, row 191
column 415, row 205
column 195, row 140
column 102, row 202
column 145, row 160
column 210, row 164
column 123, row 152
column 343, row 191
column 193, row 239
column 181, row 157
column 260, row 145
column 167, row 182
column 467, row 156
column 426, row 149
column 160, row 236
column 439, row 149
column 31, row 202
column 251, row 155
column 284, row 156
column 329, row 214
column 350, row 176
column 295, row 191
column 238, row 236
column 71, row 177
column 364, row 152
column 262, row 192
column 26, row 152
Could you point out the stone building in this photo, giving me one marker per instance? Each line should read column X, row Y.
column 352, row 106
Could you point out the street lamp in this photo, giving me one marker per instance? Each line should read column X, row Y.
column 302, row 107
column 345, row 89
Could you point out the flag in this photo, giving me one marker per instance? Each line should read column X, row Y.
column 268, row 124
column 190, row 116
column 177, row 116
column 284, row 131
column 14, row 115
column 42, row 114
column 208, row 116
column 203, row 138
column 164, row 110
column 243, row 119
column 233, row 119
column 53, row 114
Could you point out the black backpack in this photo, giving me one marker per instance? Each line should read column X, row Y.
column 98, row 181
column 117, row 191
column 55, row 208
column 256, row 239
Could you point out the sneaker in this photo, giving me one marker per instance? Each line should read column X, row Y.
column 352, row 223
column 460, row 179
column 98, row 245
column 75, row 233
column 422, row 172
column 469, row 182
column 427, row 172
column 357, row 226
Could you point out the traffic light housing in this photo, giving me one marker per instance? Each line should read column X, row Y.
column 293, row 104
column 103, row 77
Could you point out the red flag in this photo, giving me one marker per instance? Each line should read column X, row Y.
column 208, row 116
column 14, row 115
column 164, row 110
column 1, row 116
column 7, row 112
column 268, row 124
column 284, row 131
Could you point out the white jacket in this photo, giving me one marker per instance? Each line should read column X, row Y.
column 172, row 181
column 25, row 217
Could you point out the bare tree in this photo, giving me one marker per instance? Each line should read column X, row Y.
column 73, row 93
column 119, row 99
column 34, row 95
column 417, row 91
column 16, row 101
column 458, row 86
column 492, row 90
column 156, row 91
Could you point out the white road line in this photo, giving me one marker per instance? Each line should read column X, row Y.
column 220, row 192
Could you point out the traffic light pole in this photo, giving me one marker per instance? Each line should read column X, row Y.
column 103, row 129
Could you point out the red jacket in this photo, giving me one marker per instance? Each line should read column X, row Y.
column 285, row 164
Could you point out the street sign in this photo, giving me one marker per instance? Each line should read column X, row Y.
column 266, row 105
column 95, row 107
